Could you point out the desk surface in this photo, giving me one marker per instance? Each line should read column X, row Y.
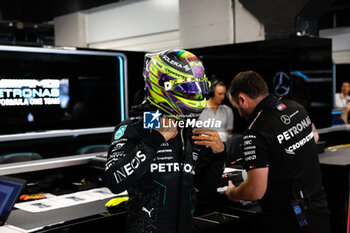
column 55, row 133
column 37, row 221
column 45, row 164
column 340, row 156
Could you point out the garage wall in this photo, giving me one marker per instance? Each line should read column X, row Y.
column 153, row 25
column 340, row 43
column 131, row 19
column 134, row 25
column 145, row 25
column 152, row 42
column 70, row 30
column 206, row 23
column 247, row 27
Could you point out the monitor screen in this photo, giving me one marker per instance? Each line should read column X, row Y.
column 10, row 188
column 43, row 89
column 34, row 92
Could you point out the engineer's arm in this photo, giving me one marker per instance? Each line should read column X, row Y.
column 251, row 189
column 255, row 153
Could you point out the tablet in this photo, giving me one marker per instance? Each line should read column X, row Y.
column 10, row 189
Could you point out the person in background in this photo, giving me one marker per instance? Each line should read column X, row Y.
column 218, row 111
column 162, row 167
column 281, row 160
column 342, row 98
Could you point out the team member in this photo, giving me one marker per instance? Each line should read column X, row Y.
column 342, row 98
column 280, row 158
column 218, row 111
column 161, row 167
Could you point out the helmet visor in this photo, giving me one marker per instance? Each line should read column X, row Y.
column 192, row 87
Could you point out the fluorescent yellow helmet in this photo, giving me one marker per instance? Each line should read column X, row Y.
column 175, row 82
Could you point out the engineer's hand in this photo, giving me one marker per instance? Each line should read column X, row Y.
column 208, row 137
column 229, row 190
column 167, row 128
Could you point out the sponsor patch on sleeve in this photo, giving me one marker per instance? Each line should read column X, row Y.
column 120, row 132
column 281, row 107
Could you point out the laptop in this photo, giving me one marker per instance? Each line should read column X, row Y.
column 10, row 189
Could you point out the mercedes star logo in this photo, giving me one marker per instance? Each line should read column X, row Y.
column 285, row 119
column 282, row 81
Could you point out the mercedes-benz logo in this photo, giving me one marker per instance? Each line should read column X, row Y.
column 285, row 119
column 282, row 81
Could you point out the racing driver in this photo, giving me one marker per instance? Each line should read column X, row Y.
column 160, row 161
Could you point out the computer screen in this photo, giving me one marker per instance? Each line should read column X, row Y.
column 48, row 89
column 10, row 189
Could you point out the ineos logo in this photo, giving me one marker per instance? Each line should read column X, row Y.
column 285, row 119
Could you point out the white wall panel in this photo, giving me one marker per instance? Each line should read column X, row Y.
column 149, row 43
column 205, row 23
column 341, row 57
column 131, row 19
column 340, row 43
column 70, row 30
column 340, row 38
column 247, row 26
column 152, row 25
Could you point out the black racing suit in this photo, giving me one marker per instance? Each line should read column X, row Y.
column 160, row 176
column 280, row 137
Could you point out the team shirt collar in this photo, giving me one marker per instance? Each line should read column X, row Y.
column 267, row 101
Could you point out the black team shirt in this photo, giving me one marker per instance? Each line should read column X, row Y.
column 280, row 137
